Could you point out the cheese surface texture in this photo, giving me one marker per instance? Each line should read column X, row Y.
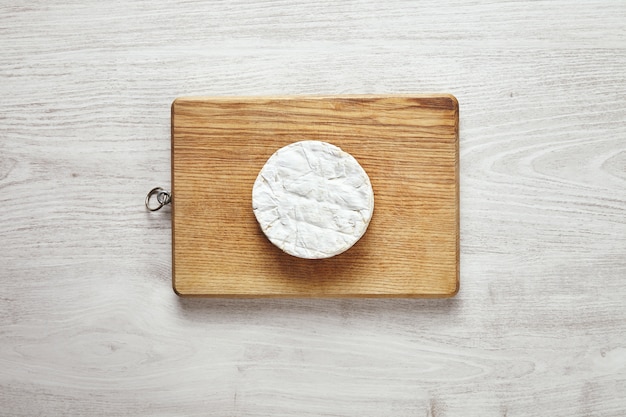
column 313, row 200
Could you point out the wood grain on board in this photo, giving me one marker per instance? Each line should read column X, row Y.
column 408, row 145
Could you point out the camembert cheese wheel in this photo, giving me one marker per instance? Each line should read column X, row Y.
column 313, row 200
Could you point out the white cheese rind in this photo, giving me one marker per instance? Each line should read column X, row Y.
column 313, row 200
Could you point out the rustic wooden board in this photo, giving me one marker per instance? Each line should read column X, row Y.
column 407, row 144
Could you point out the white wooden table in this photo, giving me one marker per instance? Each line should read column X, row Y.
column 89, row 324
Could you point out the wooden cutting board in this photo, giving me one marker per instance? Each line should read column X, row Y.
column 407, row 144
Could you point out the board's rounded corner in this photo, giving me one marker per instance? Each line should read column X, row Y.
column 453, row 100
column 177, row 291
column 455, row 290
column 175, row 104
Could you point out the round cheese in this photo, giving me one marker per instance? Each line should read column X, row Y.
column 313, row 200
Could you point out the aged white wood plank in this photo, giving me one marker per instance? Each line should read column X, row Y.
column 89, row 324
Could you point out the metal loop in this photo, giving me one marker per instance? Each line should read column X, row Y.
column 162, row 197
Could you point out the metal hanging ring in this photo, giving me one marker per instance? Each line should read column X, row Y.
column 162, row 197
